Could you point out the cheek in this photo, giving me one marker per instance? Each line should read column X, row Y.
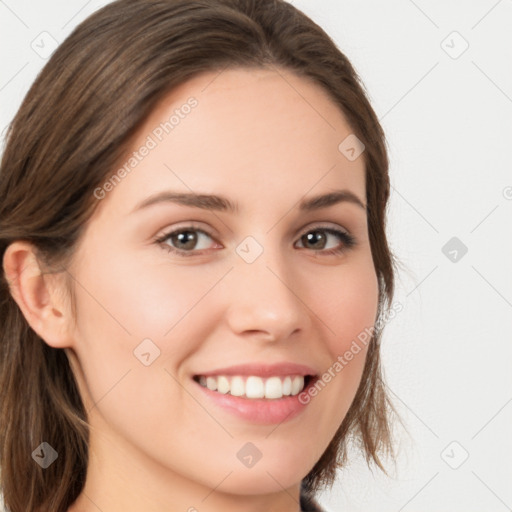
column 131, row 314
column 128, row 308
column 127, row 300
column 347, row 308
column 347, row 305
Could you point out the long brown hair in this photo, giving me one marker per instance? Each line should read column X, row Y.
column 73, row 127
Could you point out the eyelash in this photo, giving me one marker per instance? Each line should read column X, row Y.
column 348, row 240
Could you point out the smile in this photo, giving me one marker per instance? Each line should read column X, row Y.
column 254, row 387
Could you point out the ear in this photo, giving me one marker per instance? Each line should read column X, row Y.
column 40, row 297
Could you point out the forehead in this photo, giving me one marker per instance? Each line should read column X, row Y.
column 251, row 134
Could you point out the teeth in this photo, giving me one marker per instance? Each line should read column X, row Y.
column 287, row 386
column 211, row 383
column 237, row 386
column 274, row 387
column 222, row 385
column 253, row 386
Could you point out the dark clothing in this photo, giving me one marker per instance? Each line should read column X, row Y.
column 308, row 504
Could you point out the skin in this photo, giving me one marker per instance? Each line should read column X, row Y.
column 265, row 139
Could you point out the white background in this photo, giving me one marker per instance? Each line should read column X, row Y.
column 448, row 354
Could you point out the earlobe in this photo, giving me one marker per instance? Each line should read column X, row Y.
column 36, row 294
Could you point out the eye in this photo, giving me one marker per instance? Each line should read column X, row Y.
column 319, row 242
column 185, row 241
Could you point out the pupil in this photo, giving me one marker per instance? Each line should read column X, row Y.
column 315, row 237
column 182, row 238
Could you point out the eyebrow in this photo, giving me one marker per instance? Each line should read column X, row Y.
column 220, row 203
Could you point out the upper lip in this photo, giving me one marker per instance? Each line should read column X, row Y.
column 263, row 370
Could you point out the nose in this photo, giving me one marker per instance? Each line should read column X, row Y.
column 265, row 299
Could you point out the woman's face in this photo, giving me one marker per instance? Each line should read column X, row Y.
column 256, row 286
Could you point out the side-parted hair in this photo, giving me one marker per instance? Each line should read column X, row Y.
column 73, row 127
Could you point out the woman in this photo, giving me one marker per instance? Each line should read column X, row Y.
column 195, row 265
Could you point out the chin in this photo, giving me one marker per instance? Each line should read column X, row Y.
column 258, row 481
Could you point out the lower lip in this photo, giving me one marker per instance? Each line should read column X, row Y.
column 259, row 410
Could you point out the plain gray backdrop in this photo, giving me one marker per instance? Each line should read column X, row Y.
column 439, row 76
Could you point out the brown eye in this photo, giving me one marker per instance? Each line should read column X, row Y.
column 184, row 241
column 316, row 239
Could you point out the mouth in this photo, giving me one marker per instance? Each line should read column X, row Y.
column 252, row 387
